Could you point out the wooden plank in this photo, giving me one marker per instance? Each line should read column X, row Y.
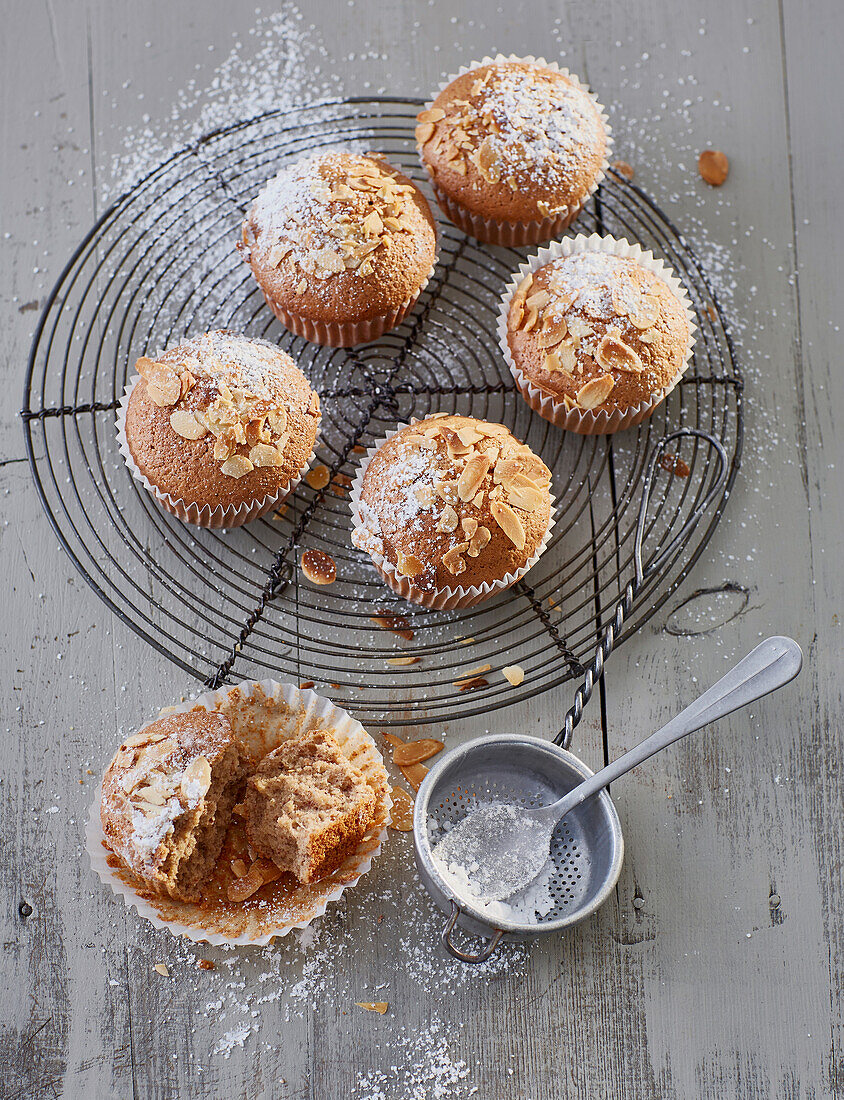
column 662, row 994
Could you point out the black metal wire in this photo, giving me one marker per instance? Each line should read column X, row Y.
column 160, row 265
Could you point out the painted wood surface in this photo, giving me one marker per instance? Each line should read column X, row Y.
column 716, row 970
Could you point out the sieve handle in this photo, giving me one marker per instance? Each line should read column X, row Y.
column 770, row 666
column 643, row 573
column 465, row 956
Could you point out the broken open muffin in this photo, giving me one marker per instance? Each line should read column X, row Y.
column 307, row 806
column 167, row 800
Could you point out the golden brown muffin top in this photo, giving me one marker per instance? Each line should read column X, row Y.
column 221, row 419
column 513, row 140
column 451, row 500
column 340, row 237
column 597, row 330
column 155, row 776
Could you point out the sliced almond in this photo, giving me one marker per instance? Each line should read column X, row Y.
column 408, row 565
column 456, row 446
column 713, row 167
column 318, row 567
column 196, row 779
column 259, row 874
column 469, row 525
column 527, row 497
column 468, row 436
column 406, row 660
column 186, row 425
column 414, row 774
column 562, row 360
column 397, row 624
column 448, row 519
column 474, row 683
column 414, row 752
column 373, row 1006
column 143, row 738
column 515, row 674
column 453, row 561
column 538, row 300
column 372, row 223
column 472, row 674
column 152, row 795
column 164, row 387
column 646, row 313
column 318, row 477
column 552, row 334
column 401, row 815
column 236, row 466
column 509, row 523
column 530, row 319
column 478, row 541
column 263, row 454
column 525, row 463
column 613, row 354
column 433, row 114
column 424, row 132
column 595, row 392
column 161, row 968
column 472, row 475
column 579, row 327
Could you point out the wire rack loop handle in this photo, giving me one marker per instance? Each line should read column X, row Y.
column 643, row 572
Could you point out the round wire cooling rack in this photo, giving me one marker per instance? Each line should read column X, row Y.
column 160, row 265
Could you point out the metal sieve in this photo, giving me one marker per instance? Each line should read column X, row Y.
column 587, row 846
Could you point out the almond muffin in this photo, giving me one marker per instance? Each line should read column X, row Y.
column 514, row 148
column 220, row 428
column 596, row 339
column 167, row 800
column 452, row 509
column 307, row 806
column 341, row 246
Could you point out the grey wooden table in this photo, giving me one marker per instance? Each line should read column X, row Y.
column 717, row 969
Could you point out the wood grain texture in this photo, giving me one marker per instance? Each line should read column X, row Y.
column 716, row 971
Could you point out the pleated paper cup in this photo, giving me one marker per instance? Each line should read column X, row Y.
column 263, row 715
column 345, row 334
column 202, row 515
column 551, row 406
column 514, row 234
column 439, row 599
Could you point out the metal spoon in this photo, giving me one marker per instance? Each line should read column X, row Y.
column 499, row 848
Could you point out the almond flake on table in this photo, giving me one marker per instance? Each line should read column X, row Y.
column 161, row 968
column 401, row 815
column 472, row 674
column 374, row 1006
column 713, row 167
column 414, row 752
column 408, row 660
column 318, row 477
column 318, row 567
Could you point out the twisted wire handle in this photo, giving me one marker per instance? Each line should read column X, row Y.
column 641, row 572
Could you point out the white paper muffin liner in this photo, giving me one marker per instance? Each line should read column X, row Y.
column 439, row 599
column 551, row 407
column 287, row 711
column 346, row 334
column 518, row 233
column 202, row 515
